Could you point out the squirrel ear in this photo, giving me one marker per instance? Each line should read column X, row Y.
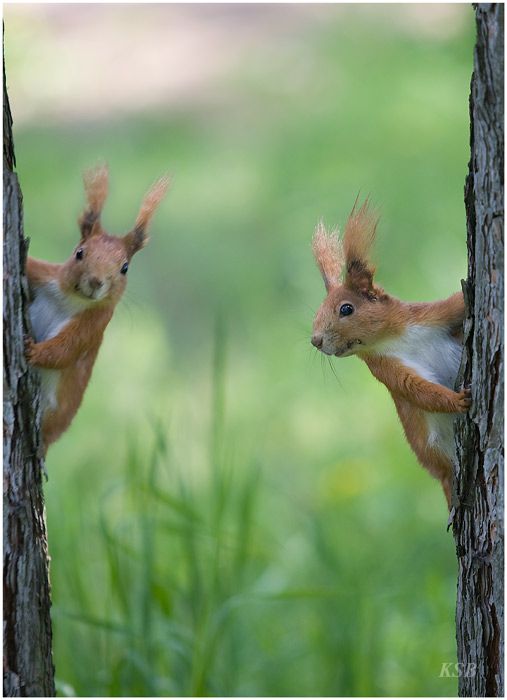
column 328, row 253
column 357, row 242
column 137, row 239
column 360, row 278
column 96, row 183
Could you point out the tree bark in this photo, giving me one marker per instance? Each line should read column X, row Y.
column 479, row 491
column 28, row 664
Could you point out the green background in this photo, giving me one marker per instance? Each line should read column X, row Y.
column 230, row 514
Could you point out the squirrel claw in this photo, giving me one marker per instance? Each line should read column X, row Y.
column 464, row 399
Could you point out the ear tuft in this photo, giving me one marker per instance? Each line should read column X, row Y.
column 328, row 252
column 137, row 239
column 96, row 185
column 151, row 200
column 357, row 243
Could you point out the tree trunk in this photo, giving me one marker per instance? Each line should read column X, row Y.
column 479, row 492
column 28, row 664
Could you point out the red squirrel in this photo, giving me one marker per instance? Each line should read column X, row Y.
column 72, row 303
column 412, row 348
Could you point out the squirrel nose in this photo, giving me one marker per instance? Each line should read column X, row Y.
column 317, row 340
column 95, row 283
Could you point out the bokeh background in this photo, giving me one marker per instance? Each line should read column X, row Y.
column 230, row 514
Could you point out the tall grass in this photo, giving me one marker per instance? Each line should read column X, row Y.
column 175, row 562
column 202, row 596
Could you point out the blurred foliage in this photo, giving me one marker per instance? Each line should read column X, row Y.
column 229, row 515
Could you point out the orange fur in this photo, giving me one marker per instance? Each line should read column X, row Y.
column 415, row 429
column 400, row 342
column 40, row 271
column 72, row 304
column 448, row 312
column 404, row 383
column 73, row 351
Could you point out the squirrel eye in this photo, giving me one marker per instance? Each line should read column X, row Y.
column 346, row 309
column 124, row 268
column 79, row 254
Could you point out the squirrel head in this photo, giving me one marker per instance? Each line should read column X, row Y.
column 356, row 313
column 97, row 270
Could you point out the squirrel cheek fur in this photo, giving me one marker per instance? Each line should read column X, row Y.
column 73, row 302
column 412, row 348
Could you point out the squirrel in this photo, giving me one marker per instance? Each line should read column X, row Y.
column 72, row 303
column 412, row 348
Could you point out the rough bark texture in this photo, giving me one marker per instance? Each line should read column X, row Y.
column 28, row 665
column 479, row 490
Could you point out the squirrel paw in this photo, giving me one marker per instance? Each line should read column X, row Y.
column 464, row 400
column 29, row 348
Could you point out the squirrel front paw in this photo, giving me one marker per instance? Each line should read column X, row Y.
column 464, row 400
column 29, row 348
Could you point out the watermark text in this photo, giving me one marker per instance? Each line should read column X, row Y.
column 457, row 670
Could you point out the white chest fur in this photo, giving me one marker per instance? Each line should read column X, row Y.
column 432, row 352
column 435, row 355
column 50, row 311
